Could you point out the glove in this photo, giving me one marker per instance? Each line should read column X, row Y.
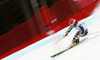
column 66, row 34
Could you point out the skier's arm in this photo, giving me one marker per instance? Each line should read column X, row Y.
column 69, row 29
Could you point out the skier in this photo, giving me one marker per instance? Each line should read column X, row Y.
column 80, row 26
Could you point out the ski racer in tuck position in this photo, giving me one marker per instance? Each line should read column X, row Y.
column 80, row 26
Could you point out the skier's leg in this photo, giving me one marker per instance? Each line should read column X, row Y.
column 76, row 38
column 78, row 35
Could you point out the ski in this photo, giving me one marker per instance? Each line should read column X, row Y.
column 62, row 51
column 69, row 47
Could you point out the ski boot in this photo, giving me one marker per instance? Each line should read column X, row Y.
column 75, row 42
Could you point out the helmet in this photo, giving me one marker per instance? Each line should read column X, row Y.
column 72, row 22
